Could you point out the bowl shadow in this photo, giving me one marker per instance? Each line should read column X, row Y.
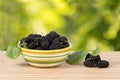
column 23, row 64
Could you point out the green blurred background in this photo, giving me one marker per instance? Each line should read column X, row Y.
column 86, row 23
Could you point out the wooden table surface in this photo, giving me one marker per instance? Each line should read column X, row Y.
column 18, row 69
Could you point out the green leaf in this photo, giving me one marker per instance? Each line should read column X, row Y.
column 77, row 57
column 96, row 51
column 24, row 45
column 13, row 51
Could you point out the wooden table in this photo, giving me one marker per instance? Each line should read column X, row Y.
column 18, row 69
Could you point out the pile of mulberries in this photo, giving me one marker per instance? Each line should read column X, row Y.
column 49, row 42
column 95, row 61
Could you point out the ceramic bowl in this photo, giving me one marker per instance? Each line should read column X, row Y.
column 45, row 58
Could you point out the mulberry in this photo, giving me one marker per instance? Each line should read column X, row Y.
column 44, row 43
column 89, row 63
column 93, row 58
column 32, row 45
column 51, row 41
column 35, row 35
column 103, row 64
column 58, row 43
column 51, row 36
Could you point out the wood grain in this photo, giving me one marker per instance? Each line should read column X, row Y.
column 18, row 69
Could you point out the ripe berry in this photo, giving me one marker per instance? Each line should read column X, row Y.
column 58, row 43
column 35, row 35
column 23, row 40
column 29, row 39
column 93, row 58
column 51, row 41
column 44, row 43
column 51, row 36
column 38, row 48
column 103, row 64
column 89, row 63
column 32, row 45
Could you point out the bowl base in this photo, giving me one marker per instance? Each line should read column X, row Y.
column 44, row 65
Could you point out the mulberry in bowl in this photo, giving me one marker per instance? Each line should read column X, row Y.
column 45, row 51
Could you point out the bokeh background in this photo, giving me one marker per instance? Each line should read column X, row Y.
column 86, row 23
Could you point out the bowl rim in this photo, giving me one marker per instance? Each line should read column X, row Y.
column 55, row 50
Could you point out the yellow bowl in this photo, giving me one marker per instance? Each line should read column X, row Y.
column 45, row 58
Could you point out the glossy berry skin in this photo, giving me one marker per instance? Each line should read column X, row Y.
column 103, row 64
column 51, row 36
column 89, row 63
column 38, row 48
column 32, row 45
column 58, row 43
column 95, row 61
column 93, row 58
column 49, row 42
column 44, row 43
column 35, row 35
column 29, row 39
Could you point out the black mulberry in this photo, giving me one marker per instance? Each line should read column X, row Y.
column 35, row 35
column 51, row 41
column 51, row 36
column 93, row 58
column 90, row 63
column 32, row 45
column 29, row 39
column 58, row 43
column 103, row 64
column 23, row 40
column 39, row 48
column 44, row 43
